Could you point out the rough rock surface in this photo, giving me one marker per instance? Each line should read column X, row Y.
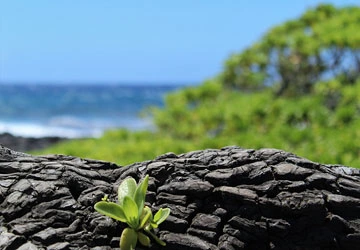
column 231, row 198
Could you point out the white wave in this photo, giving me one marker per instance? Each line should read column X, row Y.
column 37, row 130
column 70, row 127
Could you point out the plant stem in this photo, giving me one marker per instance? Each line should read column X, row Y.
column 157, row 239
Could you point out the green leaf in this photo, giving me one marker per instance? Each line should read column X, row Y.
column 128, row 239
column 131, row 212
column 144, row 239
column 110, row 209
column 153, row 225
column 146, row 217
column 126, row 188
column 140, row 194
column 161, row 215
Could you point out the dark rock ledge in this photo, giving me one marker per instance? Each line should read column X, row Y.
column 20, row 143
column 227, row 199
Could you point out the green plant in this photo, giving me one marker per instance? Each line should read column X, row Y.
column 130, row 209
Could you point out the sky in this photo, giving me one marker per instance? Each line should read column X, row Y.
column 147, row 42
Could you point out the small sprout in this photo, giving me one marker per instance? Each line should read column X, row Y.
column 131, row 210
column 105, row 198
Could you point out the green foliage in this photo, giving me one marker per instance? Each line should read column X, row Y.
column 312, row 64
column 130, row 209
column 293, row 56
column 122, row 146
column 309, row 125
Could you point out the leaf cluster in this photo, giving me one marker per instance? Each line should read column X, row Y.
column 131, row 210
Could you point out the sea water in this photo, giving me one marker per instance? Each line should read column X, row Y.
column 74, row 111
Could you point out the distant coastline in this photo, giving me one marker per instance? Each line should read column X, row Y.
column 25, row 144
column 77, row 110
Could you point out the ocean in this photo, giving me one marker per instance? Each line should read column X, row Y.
column 76, row 111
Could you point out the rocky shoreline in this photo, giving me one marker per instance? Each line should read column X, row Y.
column 25, row 144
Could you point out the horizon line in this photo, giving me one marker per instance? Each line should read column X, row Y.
column 119, row 83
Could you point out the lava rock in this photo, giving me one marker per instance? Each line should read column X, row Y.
column 21, row 143
column 230, row 198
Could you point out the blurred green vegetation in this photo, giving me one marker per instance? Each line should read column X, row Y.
column 297, row 89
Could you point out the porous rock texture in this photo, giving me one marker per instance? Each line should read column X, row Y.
column 227, row 199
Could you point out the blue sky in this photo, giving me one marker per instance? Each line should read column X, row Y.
column 159, row 41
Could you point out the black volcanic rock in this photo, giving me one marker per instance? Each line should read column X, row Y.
column 230, row 198
column 24, row 144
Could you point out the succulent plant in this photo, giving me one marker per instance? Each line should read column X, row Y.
column 131, row 210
